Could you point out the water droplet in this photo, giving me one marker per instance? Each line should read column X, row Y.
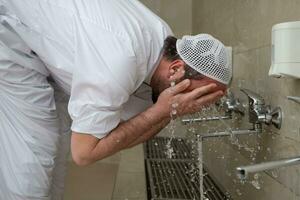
column 238, row 192
column 174, row 112
column 265, row 158
column 258, row 147
column 243, row 181
column 175, row 105
column 256, row 176
column 256, row 184
column 173, row 83
column 228, row 173
column 275, row 173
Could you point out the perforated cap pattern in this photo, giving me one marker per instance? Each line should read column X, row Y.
column 206, row 55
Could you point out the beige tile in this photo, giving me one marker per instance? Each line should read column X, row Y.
column 244, row 70
column 91, row 183
column 242, row 24
column 114, row 159
column 219, row 22
column 130, row 198
column 177, row 13
column 130, row 185
column 254, row 20
column 131, row 179
column 132, row 160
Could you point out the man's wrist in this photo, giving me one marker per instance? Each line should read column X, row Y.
column 155, row 115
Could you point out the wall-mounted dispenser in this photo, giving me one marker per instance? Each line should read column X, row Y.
column 286, row 50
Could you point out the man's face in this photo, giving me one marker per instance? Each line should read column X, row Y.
column 195, row 83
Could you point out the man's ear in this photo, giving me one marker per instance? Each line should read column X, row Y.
column 176, row 69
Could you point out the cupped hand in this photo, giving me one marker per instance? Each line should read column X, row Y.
column 177, row 98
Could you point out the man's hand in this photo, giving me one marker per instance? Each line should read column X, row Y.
column 186, row 102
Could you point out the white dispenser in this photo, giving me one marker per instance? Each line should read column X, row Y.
column 286, row 50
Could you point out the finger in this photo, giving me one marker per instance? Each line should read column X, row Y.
column 198, row 92
column 180, row 87
column 209, row 98
column 177, row 75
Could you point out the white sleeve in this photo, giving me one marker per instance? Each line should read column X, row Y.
column 103, row 79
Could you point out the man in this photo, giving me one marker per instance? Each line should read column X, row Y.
column 108, row 56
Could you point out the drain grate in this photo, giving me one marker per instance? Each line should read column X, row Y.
column 156, row 148
column 178, row 178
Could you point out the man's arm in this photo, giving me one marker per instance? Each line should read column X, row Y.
column 150, row 133
column 87, row 149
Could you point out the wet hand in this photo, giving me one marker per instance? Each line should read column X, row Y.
column 177, row 98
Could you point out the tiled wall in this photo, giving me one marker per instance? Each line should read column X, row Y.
column 177, row 13
column 246, row 26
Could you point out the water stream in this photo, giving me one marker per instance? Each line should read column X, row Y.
column 201, row 175
column 173, row 113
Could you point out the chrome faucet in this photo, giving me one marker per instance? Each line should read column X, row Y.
column 242, row 172
column 230, row 105
column 229, row 133
column 295, row 99
column 260, row 113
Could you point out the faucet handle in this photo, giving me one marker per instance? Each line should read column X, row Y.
column 274, row 116
column 254, row 99
column 235, row 106
column 232, row 104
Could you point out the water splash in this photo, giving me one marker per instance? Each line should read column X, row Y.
column 256, row 182
column 200, row 158
column 169, row 148
column 275, row 173
column 238, row 192
column 173, row 114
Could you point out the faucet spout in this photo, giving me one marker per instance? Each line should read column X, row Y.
column 229, row 133
column 295, row 99
column 243, row 171
column 205, row 119
column 260, row 113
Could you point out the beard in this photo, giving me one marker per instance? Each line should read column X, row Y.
column 155, row 95
column 157, row 87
